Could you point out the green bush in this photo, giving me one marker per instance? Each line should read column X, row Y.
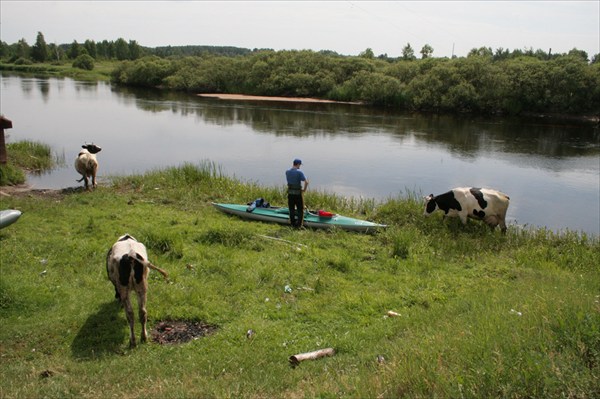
column 22, row 61
column 84, row 61
column 145, row 72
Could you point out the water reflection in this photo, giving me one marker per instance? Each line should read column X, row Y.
column 44, row 87
column 467, row 137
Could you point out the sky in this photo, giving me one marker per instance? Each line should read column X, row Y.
column 346, row 27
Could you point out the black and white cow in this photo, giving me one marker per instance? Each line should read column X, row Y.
column 470, row 202
column 127, row 266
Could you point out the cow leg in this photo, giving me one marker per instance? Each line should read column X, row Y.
column 491, row 221
column 85, row 182
column 94, row 180
column 143, row 315
column 117, row 295
column 503, row 226
column 463, row 218
column 130, row 318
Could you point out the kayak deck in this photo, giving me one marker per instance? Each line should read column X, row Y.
column 311, row 219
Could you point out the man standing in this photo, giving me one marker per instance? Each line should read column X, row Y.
column 295, row 177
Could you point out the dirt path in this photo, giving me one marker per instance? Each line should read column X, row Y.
column 23, row 190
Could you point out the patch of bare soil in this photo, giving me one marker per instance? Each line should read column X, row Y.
column 180, row 331
column 24, row 190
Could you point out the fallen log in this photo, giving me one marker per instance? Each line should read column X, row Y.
column 296, row 359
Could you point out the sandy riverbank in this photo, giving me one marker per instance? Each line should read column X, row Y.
column 244, row 97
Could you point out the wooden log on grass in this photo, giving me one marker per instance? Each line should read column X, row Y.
column 296, row 359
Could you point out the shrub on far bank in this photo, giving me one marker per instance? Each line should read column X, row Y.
column 84, row 61
column 22, row 61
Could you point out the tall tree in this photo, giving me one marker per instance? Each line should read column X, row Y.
column 579, row 53
column 368, row 53
column 39, row 51
column 90, row 47
column 408, row 53
column 55, row 53
column 105, row 49
column 121, row 49
column 135, row 51
column 501, row 54
column 22, row 49
column 426, row 51
column 75, row 50
column 482, row 52
column 4, row 49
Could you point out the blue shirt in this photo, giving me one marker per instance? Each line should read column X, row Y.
column 295, row 177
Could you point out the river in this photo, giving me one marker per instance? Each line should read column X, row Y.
column 551, row 171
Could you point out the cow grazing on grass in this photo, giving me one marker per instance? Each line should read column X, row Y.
column 86, row 164
column 127, row 266
column 469, row 202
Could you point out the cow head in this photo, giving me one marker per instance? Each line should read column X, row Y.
column 430, row 205
column 92, row 148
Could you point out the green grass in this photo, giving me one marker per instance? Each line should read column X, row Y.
column 28, row 156
column 481, row 314
column 31, row 156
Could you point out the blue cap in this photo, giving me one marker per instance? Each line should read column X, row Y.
column 297, row 161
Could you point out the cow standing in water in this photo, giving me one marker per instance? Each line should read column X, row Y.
column 469, row 202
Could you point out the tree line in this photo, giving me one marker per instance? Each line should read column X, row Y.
column 475, row 84
column 120, row 50
column 485, row 81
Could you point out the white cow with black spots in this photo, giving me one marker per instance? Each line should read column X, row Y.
column 469, row 202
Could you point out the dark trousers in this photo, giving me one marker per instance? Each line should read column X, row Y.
column 296, row 205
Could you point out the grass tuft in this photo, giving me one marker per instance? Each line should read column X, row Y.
column 26, row 155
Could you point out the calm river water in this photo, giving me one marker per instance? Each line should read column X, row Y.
column 551, row 172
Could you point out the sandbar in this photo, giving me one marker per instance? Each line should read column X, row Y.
column 245, row 97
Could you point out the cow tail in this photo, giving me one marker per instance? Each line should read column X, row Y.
column 158, row 269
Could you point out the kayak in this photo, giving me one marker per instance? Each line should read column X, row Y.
column 8, row 217
column 317, row 220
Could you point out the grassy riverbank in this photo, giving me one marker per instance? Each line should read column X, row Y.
column 481, row 314
column 101, row 71
column 25, row 155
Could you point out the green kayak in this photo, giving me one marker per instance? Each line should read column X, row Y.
column 317, row 220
